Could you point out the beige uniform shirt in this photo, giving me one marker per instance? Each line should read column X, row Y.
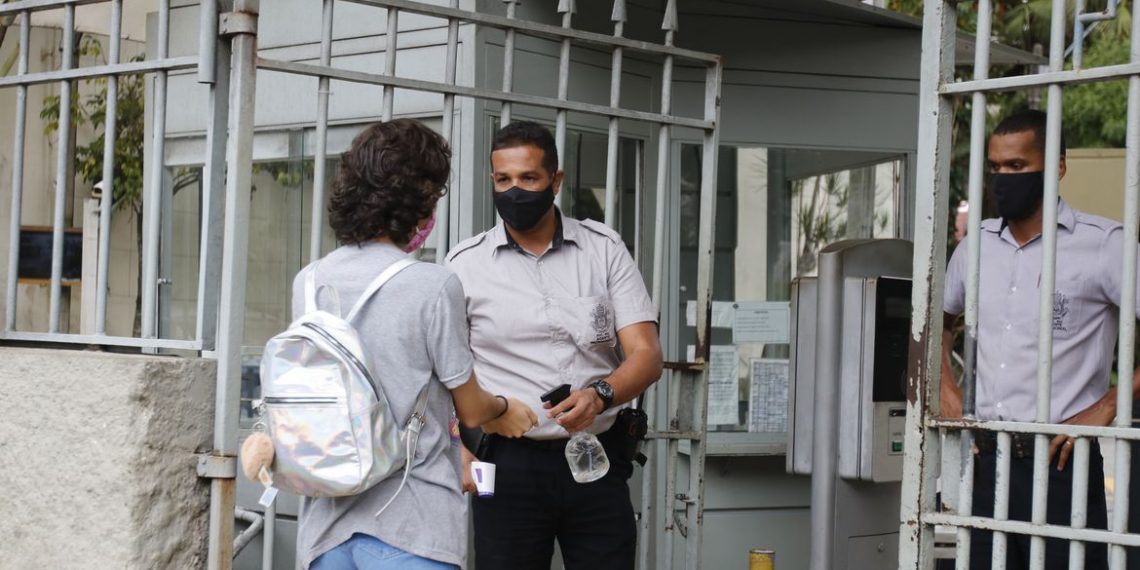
column 541, row 321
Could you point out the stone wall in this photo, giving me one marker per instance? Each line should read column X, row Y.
column 98, row 459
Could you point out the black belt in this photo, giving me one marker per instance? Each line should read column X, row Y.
column 552, row 444
column 1021, row 444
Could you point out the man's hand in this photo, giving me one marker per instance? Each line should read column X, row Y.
column 577, row 412
column 515, row 421
column 1099, row 414
column 467, row 457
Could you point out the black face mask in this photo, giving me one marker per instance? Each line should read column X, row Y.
column 1018, row 195
column 522, row 210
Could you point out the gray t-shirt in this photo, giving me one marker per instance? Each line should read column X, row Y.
column 415, row 329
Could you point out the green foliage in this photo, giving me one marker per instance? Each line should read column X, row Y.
column 91, row 111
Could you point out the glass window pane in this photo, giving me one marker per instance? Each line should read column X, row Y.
column 776, row 208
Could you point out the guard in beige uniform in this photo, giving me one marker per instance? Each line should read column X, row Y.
column 552, row 300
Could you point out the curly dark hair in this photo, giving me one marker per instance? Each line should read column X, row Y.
column 388, row 181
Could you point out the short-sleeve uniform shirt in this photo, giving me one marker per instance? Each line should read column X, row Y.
column 541, row 321
column 1085, row 318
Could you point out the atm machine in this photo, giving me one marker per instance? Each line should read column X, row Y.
column 847, row 399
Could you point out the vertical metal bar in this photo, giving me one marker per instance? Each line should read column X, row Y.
column 62, row 168
column 443, row 211
column 922, row 445
column 235, row 250
column 269, row 536
column 207, row 41
column 107, row 196
column 664, row 144
column 1001, row 499
column 613, row 141
column 1078, row 34
column 638, row 165
column 391, row 47
column 706, row 248
column 319, row 160
column 17, row 176
column 212, row 205
column 1127, row 357
column 1080, row 509
column 1048, row 281
column 566, row 8
column 508, row 64
column 152, row 202
column 973, row 260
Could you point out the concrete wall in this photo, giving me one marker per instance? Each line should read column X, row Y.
column 99, row 455
column 1094, row 181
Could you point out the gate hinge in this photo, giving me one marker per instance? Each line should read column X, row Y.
column 233, row 23
column 217, row 466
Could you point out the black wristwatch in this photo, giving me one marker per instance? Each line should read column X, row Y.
column 605, row 392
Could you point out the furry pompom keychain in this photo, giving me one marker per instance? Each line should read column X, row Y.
column 256, row 453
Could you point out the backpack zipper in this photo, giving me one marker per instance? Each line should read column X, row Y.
column 336, row 344
column 300, row 400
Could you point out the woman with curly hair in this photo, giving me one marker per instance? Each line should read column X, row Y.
column 382, row 208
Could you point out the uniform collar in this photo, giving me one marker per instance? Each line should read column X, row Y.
column 1066, row 218
column 565, row 231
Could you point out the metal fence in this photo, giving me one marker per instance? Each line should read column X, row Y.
column 229, row 63
column 926, row 430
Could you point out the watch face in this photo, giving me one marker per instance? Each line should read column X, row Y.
column 605, row 390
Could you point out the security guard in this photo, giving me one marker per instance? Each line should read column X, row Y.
column 1086, row 301
column 550, row 299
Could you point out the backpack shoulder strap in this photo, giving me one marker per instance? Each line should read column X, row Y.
column 377, row 283
column 311, row 288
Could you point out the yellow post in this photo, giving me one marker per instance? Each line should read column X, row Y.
column 759, row 559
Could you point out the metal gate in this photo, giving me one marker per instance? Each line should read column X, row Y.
column 926, row 430
column 228, row 63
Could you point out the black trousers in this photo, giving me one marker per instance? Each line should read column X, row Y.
column 1021, row 508
column 537, row 501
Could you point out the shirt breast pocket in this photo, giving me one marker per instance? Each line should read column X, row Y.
column 1070, row 296
column 589, row 321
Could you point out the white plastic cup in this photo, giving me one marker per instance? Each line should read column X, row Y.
column 484, row 476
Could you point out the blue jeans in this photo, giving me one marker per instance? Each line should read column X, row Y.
column 363, row 552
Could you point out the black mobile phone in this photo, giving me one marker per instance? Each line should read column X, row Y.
column 556, row 395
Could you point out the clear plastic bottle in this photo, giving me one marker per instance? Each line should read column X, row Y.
column 587, row 457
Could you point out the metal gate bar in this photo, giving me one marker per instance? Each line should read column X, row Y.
column 566, row 8
column 66, row 76
column 919, row 512
column 319, row 154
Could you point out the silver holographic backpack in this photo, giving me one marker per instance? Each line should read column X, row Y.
column 333, row 431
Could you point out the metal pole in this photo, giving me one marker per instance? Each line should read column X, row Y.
column 566, row 8
column 269, row 536
column 973, row 259
column 17, row 177
column 107, row 196
column 443, row 210
column 391, row 47
column 62, row 168
column 694, row 507
column 1080, row 510
column 1001, row 498
column 241, row 24
column 207, row 41
column 1048, row 281
column 319, row 159
column 669, row 25
column 213, row 201
column 1127, row 357
column 152, row 202
column 924, row 372
column 508, row 64
column 613, row 142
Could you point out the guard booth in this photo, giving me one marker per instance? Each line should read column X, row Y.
column 738, row 141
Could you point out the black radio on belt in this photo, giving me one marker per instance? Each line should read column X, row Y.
column 633, row 424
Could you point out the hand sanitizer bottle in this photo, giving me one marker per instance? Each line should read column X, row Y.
column 587, row 458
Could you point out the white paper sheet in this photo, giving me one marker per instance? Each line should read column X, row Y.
column 724, row 395
column 768, row 323
column 768, row 401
